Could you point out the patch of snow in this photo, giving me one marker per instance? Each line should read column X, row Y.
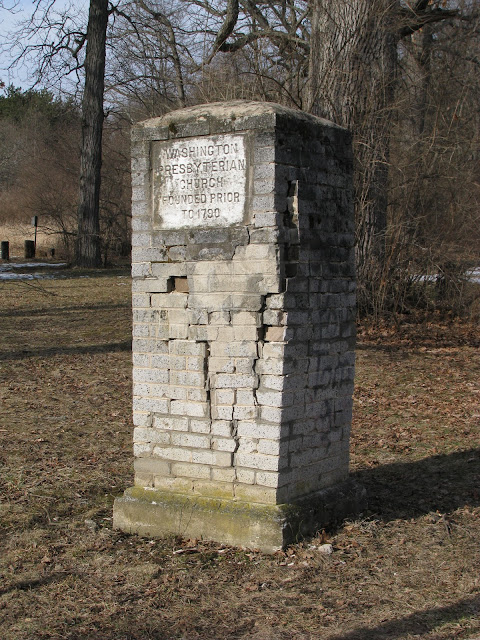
column 426, row 278
column 472, row 275
column 31, row 265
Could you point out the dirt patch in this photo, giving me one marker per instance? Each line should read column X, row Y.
column 409, row 568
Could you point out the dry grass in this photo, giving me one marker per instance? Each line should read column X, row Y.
column 408, row 569
column 16, row 234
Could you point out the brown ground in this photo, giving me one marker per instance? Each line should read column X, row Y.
column 409, row 568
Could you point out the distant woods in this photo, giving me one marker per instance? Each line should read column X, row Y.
column 40, row 146
column 38, row 159
column 402, row 75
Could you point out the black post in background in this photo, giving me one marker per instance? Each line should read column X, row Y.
column 5, row 250
column 35, row 224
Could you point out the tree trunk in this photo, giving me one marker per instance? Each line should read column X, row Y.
column 352, row 81
column 417, row 77
column 88, row 239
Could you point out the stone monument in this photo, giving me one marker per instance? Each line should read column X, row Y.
column 243, row 334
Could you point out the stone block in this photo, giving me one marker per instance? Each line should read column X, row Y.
column 142, row 449
column 169, row 300
column 157, row 405
column 142, row 419
column 177, row 485
column 187, row 348
column 141, row 434
column 214, row 489
column 141, row 270
column 245, row 476
column 245, row 302
column 168, row 269
column 222, row 412
column 224, row 444
column 197, row 394
column 141, row 330
column 246, row 318
column 244, row 349
column 275, row 334
column 215, row 458
column 257, row 461
column 140, row 301
column 241, row 412
column 235, row 381
column 222, row 474
column 267, row 527
column 170, row 423
column 152, row 466
column 245, row 396
column 200, row 426
column 270, row 398
column 267, row 219
column 223, row 396
column 193, row 409
column 245, row 365
column 190, row 440
column 176, row 393
column 221, row 428
column 221, row 365
column 267, row 479
column 255, row 494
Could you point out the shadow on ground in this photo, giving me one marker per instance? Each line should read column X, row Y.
column 440, row 483
column 54, row 311
column 54, row 351
column 421, row 622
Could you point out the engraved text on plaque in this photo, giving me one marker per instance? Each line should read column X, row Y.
column 199, row 182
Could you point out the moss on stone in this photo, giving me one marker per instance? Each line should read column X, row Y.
column 157, row 513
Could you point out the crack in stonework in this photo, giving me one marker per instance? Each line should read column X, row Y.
column 234, row 434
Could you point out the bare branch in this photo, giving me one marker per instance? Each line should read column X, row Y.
column 415, row 20
column 231, row 17
column 278, row 36
column 206, row 6
column 421, row 5
column 257, row 14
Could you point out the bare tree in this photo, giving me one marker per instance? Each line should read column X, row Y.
column 276, row 35
column 59, row 44
column 88, row 247
column 353, row 81
column 435, row 197
column 149, row 57
column 362, row 64
column 352, row 52
column 39, row 141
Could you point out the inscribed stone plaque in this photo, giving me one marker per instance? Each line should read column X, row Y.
column 199, row 182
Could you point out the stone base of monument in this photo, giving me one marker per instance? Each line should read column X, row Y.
column 155, row 513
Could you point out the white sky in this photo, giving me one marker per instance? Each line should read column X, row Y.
column 13, row 12
column 8, row 22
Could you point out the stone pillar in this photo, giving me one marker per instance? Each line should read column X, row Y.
column 243, row 336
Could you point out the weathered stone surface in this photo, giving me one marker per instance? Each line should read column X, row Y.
column 244, row 324
column 267, row 527
column 200, row 182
